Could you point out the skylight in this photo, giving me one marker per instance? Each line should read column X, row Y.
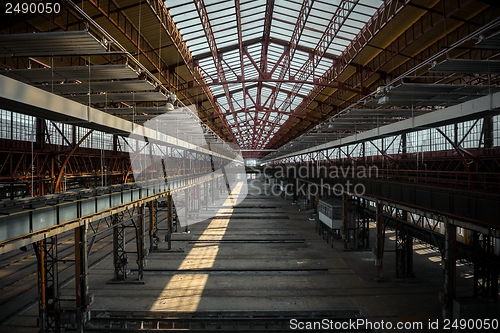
column 262, row 83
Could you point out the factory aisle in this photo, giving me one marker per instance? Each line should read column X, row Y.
column 264, row 261
column 264, row 256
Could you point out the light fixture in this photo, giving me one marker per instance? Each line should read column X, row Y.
column 383, row 100
column 169, row 106
column 170, row 100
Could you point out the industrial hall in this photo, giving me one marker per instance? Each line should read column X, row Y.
column 249, row 165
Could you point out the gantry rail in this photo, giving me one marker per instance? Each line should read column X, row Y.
column 25, row 221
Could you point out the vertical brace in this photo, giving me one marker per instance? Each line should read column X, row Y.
column 349, row 240
column 379, row 249
column 488, row 134
column 140, row 241
column 169, row 221
column 153, row 226
column 120, row 259
column 450, row 252
column 404, row 250
column 485, row 271
column 66, row 160
column 81, row 275
column 409, row 255
column 48, row 286
column 364, row 237
column 362, row 228
column 187, row 206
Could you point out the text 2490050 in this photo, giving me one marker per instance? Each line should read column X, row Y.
column 32, row 8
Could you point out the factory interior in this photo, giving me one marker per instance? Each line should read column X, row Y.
column 249, row 165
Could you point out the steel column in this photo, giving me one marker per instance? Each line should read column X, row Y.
column 186, row 208
column 48, row 286
column 347, row 232
column 140, row 232
column 488, row 133
column 81, row 275
column 450, row 263
column 379, row 249
column 169, row 221
column 362, row 227
column 120, row 259
column 404, row 250
column 217, row 59
column 485, row 271
column 153, row 226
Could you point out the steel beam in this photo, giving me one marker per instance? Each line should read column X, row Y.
column 168, row 24
column 24, row 225
column 383, row 15
column 23, row 98
column 338, row 19
column 413, row 63
column 289, row 53
column 484, row 106
column 217, row 59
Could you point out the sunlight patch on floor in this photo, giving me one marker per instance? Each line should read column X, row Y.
column 184, row 291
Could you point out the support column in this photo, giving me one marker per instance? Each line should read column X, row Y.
column 379, row 249
column 169, row 221
column 48, row 286
column 216, row 192
column 485, row 271
column 205, row 195
column 39, row 144
column 346, row 231
column 409, row 252
column 404, row 146
column 362, row 230
column 363, row 225
column 187, row 207
column 404, row 252
column 120, row 259
column 311, row 199
column 488, row 133
column 81, row 275
column 154, row 239
column 212, row 191
column 140, row 232
column 450, row 252
column 196, row 199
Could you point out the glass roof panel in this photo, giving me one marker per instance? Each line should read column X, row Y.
column 254, row 20
column 250, row 33
column 224, row 25
column 326, row 6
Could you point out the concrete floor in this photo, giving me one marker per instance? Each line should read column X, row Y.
column 275, row 261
